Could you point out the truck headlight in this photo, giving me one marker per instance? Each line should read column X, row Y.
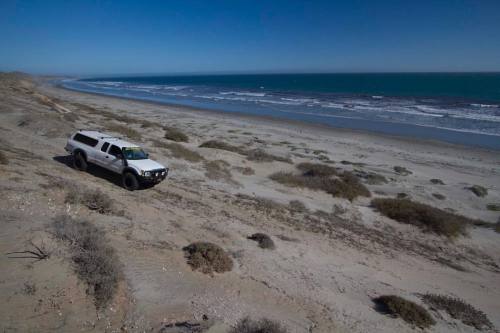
column 147, row 173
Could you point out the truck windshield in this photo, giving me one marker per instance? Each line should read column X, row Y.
column 134, row 153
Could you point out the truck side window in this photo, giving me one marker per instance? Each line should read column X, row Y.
column 85, row 140
column 105, row 146
column 115, row 151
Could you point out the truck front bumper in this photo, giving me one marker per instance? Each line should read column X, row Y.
column 154, row 176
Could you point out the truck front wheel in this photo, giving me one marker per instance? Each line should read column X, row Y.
column 79, row 162
column 130, row 181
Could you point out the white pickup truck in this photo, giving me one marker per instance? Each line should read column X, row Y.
column 116, row 155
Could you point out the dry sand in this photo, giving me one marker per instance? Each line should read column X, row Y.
column 316, row 280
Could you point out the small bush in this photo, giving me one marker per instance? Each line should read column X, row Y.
column 478, row 190
column 402, row 195
column 217, row 170
column 459, row 309
column 263, row 240
column 297, row 206
column 316, row 170
column 246, row 325
column 407, row 310
column 125, row 130
column 247, row 171
column 493, row 207
column 173, row 134
column 436, row 181
column 208, row 258
column 181, row 152
column 93, row 200
column 438, row 196
column 402, row 171
column 214, row 144
column 424, row 216
column 258, row 155
column 371, row 178
column 95, row 261
column 3, row 159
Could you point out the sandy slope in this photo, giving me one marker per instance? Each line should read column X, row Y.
column 317, row 280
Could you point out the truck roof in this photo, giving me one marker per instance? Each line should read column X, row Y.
column 109, row 138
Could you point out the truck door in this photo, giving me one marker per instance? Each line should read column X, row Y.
column 114, row 159
column 101, row 155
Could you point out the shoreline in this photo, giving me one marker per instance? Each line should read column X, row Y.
column 299, row 123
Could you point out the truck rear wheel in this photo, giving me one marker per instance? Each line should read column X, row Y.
column 79, row 162
column 130, row 181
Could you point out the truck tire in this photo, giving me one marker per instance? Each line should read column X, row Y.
column 79, row 162
column 130, row 181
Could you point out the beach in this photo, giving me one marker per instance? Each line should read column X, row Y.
column 332, row 255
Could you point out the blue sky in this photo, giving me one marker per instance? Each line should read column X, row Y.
column 112, row 37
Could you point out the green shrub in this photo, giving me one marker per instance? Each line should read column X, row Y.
column 438, row 196
column 263, row 240
column 95, row 261
column 246, row 325
column 173, row 134
column 459, row 309
column 424, row 216
column 478, row 190
column 402, row 171
column 493, row 207
column 208, row 258
column 409, row 311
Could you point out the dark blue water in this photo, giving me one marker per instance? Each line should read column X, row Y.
column 458, row 108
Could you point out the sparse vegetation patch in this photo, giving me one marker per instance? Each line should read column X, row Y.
column 173, row 134
column 345, row 185
column 409, row 311
column 247, row 325
column 179, row 151
column 247, row 171
column 317, row 170
column 214, row 144
column 217, row 170
column 437, row 181
column 95, row 261
column 125, row 130
column 263, row 240
column 208, row 258
column 93, row 199
column 426, row 217
column 258, row 155
column 459, row 309
column 3, row 158
column 371, row 178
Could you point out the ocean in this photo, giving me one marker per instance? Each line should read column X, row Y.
column 461, row 108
